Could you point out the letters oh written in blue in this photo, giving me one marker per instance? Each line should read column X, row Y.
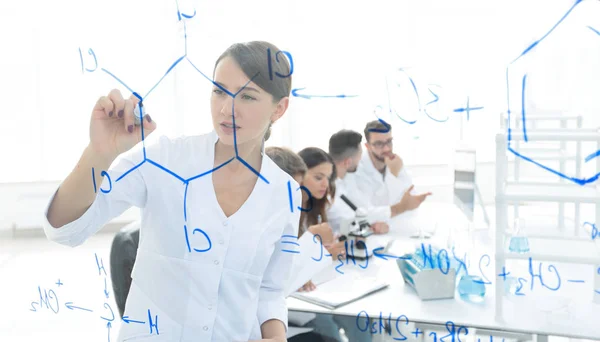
column 103, row 174
column 200, row 231
column 310, row 198
column 91, row 53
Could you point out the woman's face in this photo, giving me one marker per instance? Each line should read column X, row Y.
column 252, row 107
column 317, row 179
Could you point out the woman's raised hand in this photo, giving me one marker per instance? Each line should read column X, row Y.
column 112, row 128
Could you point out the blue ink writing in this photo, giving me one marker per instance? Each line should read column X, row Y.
column 100, row 265
column 45, row 300
column 315, row 238
column 151, row 324
column 594, row 233
column 306, row 96
column 91, row 53
column 467, row 109
column 504, row 273
column 269, row 63
column 539, row 275
column 486, row 281
column 70, row 306
column 453, row 332
column 194, row 232
column 285, row 240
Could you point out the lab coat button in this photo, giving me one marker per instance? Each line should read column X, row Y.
column 216, row 262
column 221, row 241
column 205, row 328
column 210, row 307
column 225, row 223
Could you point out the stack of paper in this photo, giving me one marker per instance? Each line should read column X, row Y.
column 342, row 290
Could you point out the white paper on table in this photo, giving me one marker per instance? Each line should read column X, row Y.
column 342, row 290
column 327, row 274
column 305, row 266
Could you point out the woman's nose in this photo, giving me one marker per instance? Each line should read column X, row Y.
column 227, row 106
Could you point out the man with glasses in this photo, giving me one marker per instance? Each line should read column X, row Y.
column 363, row 179
column 381, row 176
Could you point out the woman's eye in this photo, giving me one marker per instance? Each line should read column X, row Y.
column 217, row 91
column 247, row 97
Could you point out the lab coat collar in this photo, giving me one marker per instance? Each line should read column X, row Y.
column 266, row 166
column 367, row 165
column 215, row 137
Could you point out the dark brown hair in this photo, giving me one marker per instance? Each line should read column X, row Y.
column 287, row 160
column 312, row 157
column 377, row 126
column 262, row 62
column 344, row 144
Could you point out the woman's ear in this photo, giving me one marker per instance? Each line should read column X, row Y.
column 280, row 109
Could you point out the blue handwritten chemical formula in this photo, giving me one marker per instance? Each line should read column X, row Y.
column 47, row 301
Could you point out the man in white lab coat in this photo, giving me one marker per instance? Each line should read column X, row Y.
column 366, row 187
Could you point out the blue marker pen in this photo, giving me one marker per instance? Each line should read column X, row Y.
column 319, row 219
column 136, row 114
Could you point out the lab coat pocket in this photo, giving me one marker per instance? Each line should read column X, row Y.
column 241, row 302
column 144, row 321
column 242, row 249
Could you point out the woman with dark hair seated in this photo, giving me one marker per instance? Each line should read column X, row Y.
column 320, row 182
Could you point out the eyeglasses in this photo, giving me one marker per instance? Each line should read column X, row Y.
column 382, row 144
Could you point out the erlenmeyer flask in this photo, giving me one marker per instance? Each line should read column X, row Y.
column 471, row 288
column 519, row 243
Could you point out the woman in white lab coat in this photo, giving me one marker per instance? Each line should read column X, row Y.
column 320, row 181
column 214, row 209
column 304, row 265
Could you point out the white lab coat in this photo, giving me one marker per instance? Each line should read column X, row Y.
column 380, row 189
column 310, row 261
column 196, row 289
column 340, row 212
column 367, row 188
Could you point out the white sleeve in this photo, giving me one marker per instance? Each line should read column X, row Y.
column 313, row 258
column 121, row 194
column 276, row 278
column 397, row 186
column 357, row 192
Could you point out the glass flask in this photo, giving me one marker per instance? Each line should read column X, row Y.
column 471, row 288
column 519, row 243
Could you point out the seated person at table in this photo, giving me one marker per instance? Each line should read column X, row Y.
column 293, row 165
column 345, row 150
column 381, row 174
column 320, row 182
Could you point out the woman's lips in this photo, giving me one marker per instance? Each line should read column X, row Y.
column 228, row 130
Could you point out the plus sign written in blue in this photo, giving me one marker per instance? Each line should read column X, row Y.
column 417, row 332
column 504, row 274
column 467, row 109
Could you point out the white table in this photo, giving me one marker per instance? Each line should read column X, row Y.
column 520, row 316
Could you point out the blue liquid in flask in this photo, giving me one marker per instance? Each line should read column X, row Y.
column 471, row 288
column 519, row 244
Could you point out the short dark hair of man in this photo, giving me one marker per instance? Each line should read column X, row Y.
column 376, row 126
column 344, row 144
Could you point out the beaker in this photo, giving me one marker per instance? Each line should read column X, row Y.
column 519, row 243
column 471, row 288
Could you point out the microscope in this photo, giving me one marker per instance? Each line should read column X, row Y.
column 357, row 230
